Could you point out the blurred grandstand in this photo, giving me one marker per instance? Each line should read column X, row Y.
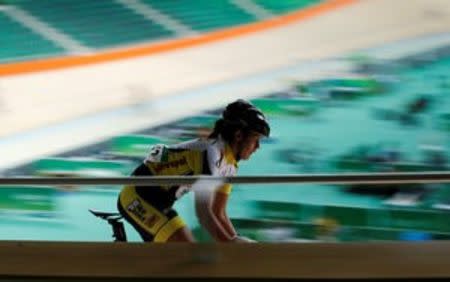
column 42, row 29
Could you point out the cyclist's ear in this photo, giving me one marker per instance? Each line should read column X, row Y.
column 238, row 136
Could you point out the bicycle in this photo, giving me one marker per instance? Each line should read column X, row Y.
column 115, row 220
column 118, row 228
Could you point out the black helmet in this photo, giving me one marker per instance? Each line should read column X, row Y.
column 247, row 115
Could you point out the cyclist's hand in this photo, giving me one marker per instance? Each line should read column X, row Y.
column 243, row 239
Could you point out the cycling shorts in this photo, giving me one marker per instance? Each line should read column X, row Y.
column 153, row 225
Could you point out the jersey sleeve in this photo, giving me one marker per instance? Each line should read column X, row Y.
column 213, row 160
column 225, row 189
column 218, row 167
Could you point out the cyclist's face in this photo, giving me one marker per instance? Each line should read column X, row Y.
column 250, row 144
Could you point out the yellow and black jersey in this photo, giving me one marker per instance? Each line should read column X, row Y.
column 207, row 157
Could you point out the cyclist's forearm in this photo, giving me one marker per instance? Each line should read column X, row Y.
column 227, row 224
column 214, row 225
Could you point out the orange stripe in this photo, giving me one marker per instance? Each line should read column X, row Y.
column 149, row 49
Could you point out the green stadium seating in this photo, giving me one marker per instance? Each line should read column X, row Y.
column 203, row 15
column 134, row 145
column 266, row 230
column 288, row 106
column 423, row 219
column 28, row 198
column 96, row 24
column 18, row 42
column 285, row 6
column 109, row 24
column 81, row 167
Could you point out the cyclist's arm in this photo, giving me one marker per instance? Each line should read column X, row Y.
column 211, row 214
column 219, row 205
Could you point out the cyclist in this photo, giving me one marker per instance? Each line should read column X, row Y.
column 236, row 136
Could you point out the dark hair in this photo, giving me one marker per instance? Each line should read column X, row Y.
column 240, row 115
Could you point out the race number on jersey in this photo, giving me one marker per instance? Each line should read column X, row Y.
column 158, row 153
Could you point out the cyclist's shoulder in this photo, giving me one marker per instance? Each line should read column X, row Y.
column 221, row 158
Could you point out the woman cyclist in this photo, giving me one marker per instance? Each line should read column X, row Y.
column 236, row 136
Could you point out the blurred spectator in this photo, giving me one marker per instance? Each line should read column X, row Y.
column 326, row 229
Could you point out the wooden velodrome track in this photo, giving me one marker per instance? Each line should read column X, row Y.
column 62, row 87
column 115, row 261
